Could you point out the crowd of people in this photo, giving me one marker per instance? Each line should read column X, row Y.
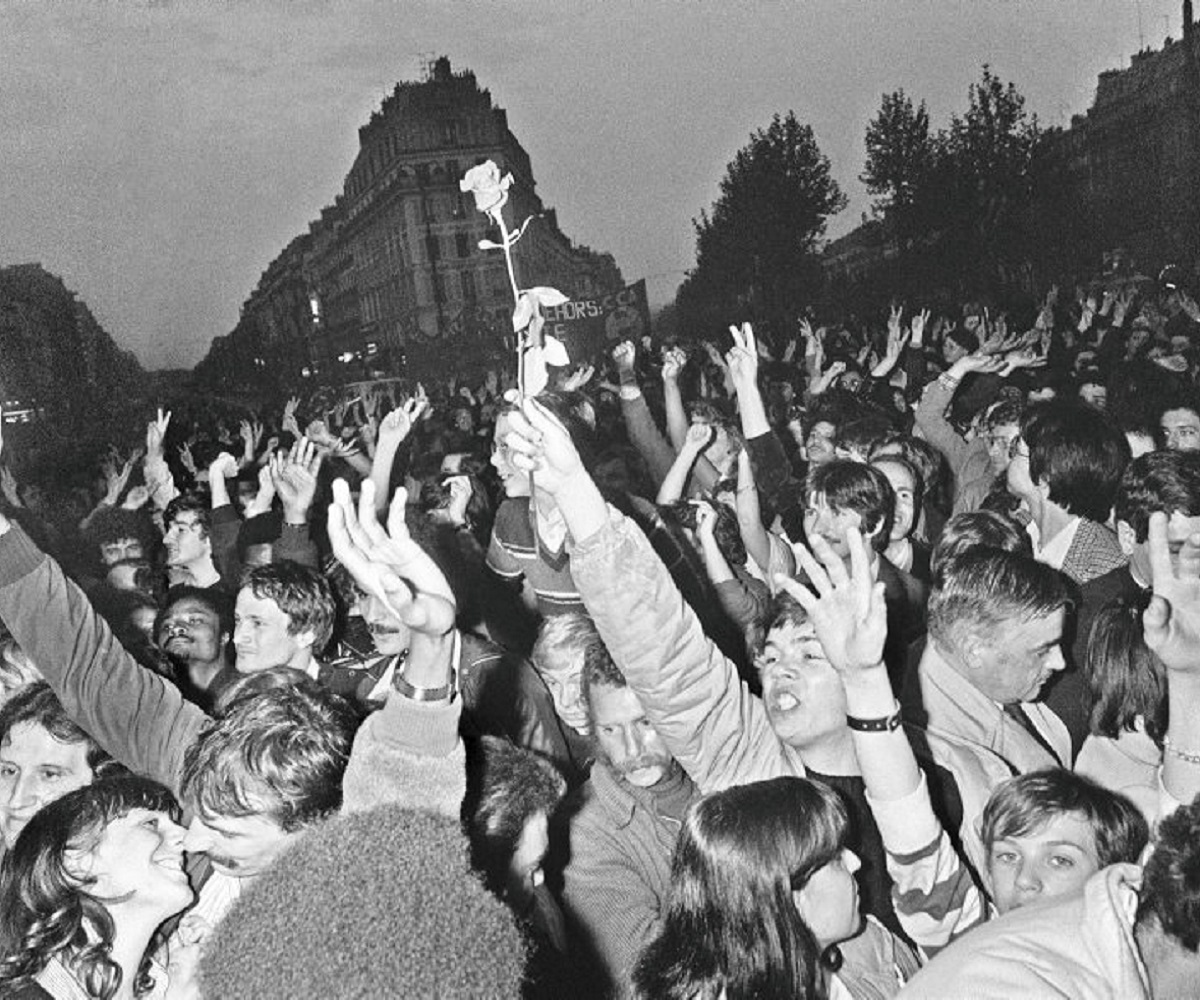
column 859, row 663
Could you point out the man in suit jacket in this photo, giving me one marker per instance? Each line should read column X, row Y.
column 1066, row 466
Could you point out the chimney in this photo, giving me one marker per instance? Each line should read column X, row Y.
column 1187, row 20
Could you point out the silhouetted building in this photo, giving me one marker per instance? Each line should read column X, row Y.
column 393, row 267
column 55, row 358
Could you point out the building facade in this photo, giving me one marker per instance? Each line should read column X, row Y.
column 392, row 271
column 1133, row 159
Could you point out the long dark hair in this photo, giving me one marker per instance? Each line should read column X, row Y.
column 731, row 922
column 50, row 912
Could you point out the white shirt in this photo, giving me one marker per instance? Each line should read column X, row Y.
column 1054, row 552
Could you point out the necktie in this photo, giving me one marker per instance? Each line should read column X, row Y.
column 1017, row 713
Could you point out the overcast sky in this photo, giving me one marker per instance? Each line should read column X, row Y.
column 159, row 155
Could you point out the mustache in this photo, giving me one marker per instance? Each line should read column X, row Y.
column 644, row 760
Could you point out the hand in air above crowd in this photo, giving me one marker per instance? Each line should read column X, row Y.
column 847, row 610
column 540, row 444
column 742, row 358
column 389, row 565
column 1172, row 620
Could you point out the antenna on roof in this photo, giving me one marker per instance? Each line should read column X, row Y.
column 1141, row 33
column 426, row 61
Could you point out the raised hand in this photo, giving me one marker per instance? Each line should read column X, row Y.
column 186, row 459
column 742, row 358
column 266, row 491
column 136, row 498
column 380, row 560
column 980, row 362
column 1121, row 308
column 289, row 422
column 294, row 477
column 156, row 433
column 917, row 327
column 319, row 433
column 1188, row 305
column 460, row 496
column 115, row 483
column 894, row 322
column 810, row 339
column 624, row 355
column 370, row 404
column 897, row 339
column 339, row 449
column 1087, row 313
column 832, row 373
column 224, row 466
column 1027, row 358
column 713, row 354
column 706, row 520
column 847, row 609
column 673, row 364
column 8, row 484
column 540, row 444
column 1172, row 619
column 398, row 424
column 579, row 378
column 699, row 436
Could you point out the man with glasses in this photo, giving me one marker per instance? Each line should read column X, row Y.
column 1066, row 466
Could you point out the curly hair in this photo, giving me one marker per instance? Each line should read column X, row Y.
column 48, row 912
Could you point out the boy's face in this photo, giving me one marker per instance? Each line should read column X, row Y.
column 1047, row 863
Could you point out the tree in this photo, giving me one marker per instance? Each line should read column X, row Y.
column 991, row 148
column 755, row 248
column 901, row 152
column 958, row 200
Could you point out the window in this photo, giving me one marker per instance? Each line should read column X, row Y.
column 432, row 249
column 468, row 286
column 461, row 245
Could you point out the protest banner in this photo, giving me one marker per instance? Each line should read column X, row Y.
column 590, row 327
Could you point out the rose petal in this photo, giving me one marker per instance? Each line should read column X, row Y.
column 523, row 313
column 555, row 352
column 548, row 296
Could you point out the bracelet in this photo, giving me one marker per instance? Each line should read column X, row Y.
column 1188, row 756
column 886, row 724
column 414, row 693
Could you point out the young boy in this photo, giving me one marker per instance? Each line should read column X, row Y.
column 1044, row 833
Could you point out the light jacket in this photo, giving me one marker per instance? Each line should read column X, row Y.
column 970, row 736
column 1080, row 947
column 692, row 694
